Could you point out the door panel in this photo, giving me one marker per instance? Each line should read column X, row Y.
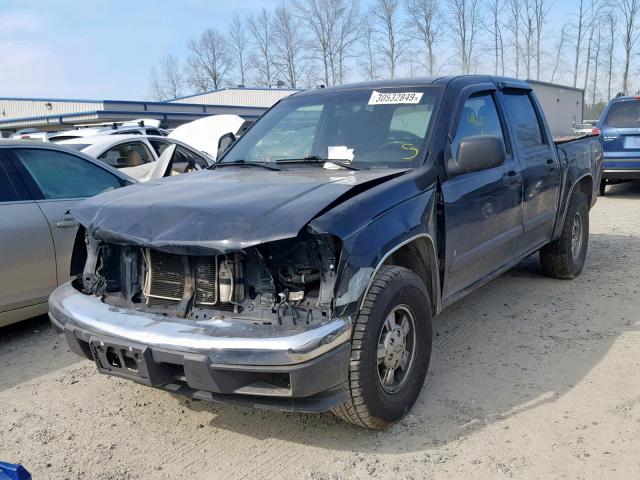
column 63, row 230
column 27, row 258
column 483, row 209
column 540, row 169
column 58, row 181
column 483, row 224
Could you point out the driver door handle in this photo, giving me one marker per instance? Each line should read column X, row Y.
column 67, row 222
column 512, row 178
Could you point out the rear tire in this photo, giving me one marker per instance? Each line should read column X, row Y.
column 564, row 258
column 390, row 350
column 603, row 187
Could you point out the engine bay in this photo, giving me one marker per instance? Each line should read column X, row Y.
column 286, row 282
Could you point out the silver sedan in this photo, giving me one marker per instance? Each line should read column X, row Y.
column 39, row 183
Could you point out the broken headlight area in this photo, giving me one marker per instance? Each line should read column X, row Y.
column 286, row 282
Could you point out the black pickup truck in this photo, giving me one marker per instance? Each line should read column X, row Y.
column 303, row 270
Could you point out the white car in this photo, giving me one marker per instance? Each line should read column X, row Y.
column 142, row 157
column 93, row 131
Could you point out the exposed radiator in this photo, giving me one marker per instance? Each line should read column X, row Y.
column 165, row 279
column 206, row 280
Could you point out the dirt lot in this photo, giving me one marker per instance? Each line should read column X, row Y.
column 530, row 378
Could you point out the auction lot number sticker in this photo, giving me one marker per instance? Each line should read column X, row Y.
column 379, row 98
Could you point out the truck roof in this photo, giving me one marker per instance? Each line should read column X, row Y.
column 416, row 82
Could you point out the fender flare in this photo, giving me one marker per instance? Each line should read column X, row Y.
column 435, row 275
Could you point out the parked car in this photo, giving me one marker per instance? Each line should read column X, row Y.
column 619, row 126
column 135, row 127
column 32, row 134
column 140, row 156
column 39, row 183
column 210, row 134
column 582, row 129
column 307, row 278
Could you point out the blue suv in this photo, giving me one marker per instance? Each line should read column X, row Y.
column 619, row 126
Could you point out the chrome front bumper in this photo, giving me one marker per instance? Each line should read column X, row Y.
column 223, row 340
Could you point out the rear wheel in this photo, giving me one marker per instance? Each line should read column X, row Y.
column 603, row 186
column 390, row 350
column 564, row 258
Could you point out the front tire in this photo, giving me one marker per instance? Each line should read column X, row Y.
column 390, row 350
column 564, row 257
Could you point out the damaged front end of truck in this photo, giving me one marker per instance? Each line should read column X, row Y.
column 252, row 318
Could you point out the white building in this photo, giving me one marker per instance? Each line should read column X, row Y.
column 562, row 106
column 63, row 113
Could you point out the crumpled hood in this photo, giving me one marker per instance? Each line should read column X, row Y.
column 220, row 210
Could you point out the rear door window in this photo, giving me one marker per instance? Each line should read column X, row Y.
column 625, row 114
column 524, row 120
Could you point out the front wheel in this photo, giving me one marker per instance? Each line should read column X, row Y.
column 564, row 257
column 390, row 350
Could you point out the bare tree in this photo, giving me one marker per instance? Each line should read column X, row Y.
column 369, row 59
column 529, row 31
column 347, row 36
column 611, row 26
column 209, row 60
column 424, row 20
column 166, row 82
column 333, row 25
column 596, row 63
column 385, row 14
column 541, row 10
column 238, row 43
column 493, row 27
column 514, row 27
column 464, row 18
column 289, row 43
column 630, row 10
column 577, row 38
column 559, row 49
column 263, row 61
column 591, row 27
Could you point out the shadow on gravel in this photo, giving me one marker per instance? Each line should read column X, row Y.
column 30, row 349
column 520, row 341
column 624, row 190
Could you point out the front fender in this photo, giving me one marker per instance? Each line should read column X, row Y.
column 371, row 226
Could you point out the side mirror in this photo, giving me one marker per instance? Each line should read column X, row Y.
column 477, row 153
column 224, row 143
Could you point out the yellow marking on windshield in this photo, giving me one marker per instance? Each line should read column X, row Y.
column 409, row 147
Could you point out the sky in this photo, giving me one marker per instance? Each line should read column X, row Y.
column 99, row 49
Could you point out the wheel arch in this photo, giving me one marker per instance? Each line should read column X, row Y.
column 418, row 254
column 583, row 184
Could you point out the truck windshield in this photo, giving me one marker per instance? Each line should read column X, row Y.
column 385, row 127
column 625, row 114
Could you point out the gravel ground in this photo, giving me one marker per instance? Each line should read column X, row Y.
column 530, row 378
